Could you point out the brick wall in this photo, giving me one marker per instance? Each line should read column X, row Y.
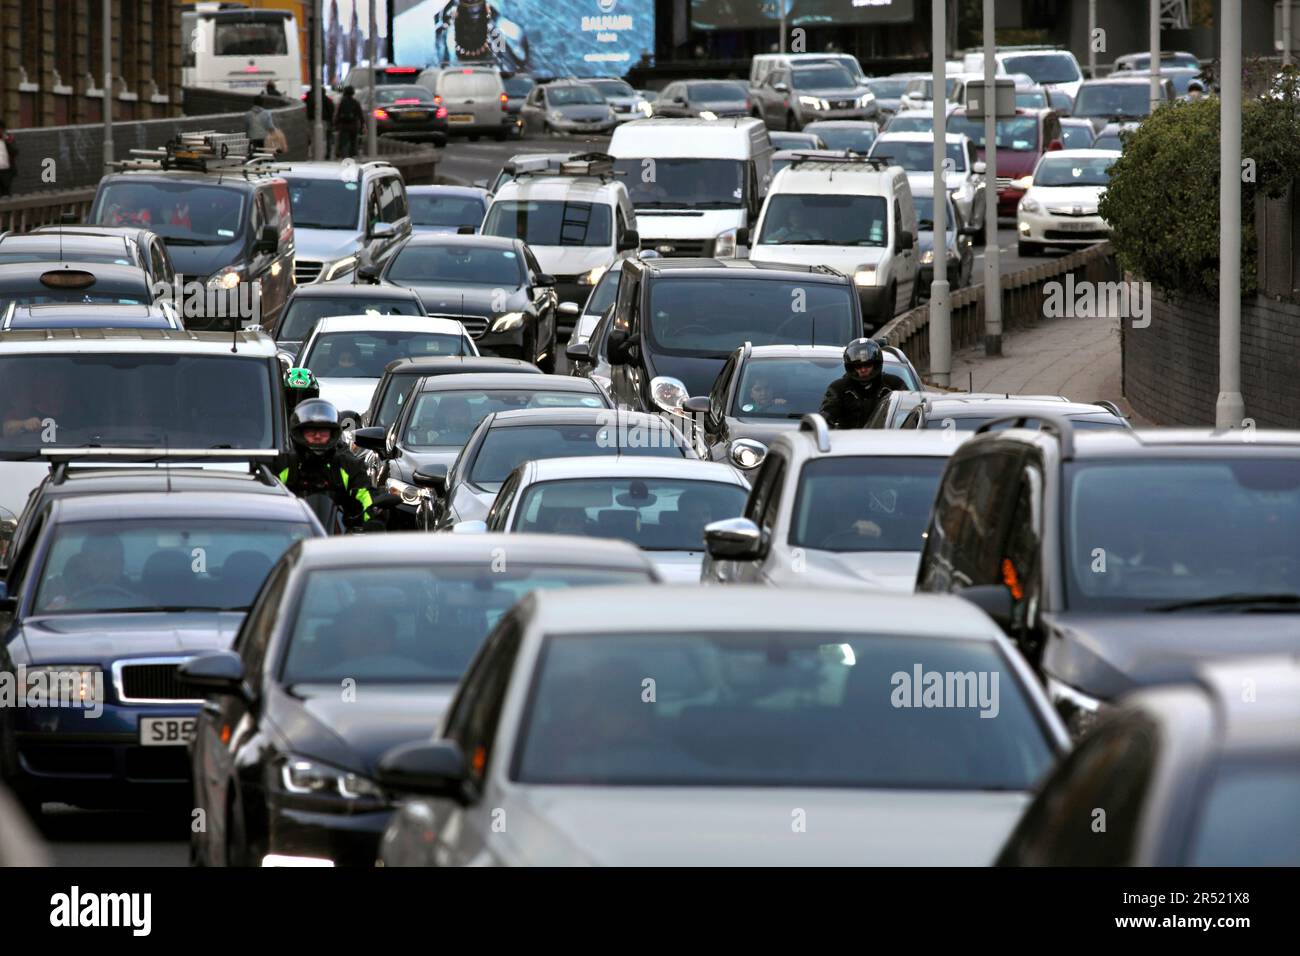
column 1171, row 368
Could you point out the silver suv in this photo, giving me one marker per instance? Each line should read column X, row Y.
column 475, row 99
column 345, row 215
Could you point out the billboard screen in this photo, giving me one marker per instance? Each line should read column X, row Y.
column 347, row 35
column 742, row 14
column 543, row 37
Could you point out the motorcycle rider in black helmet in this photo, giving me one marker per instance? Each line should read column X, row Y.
column 321, row 465
column 851, row 398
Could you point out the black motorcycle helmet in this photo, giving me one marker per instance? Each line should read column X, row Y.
column 864, row 353
column 314, row 413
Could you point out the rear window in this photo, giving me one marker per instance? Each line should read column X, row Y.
column 251, row 38
column 476, row 84
column 303, row 314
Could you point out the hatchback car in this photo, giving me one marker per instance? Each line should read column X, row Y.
column 567, row 107
column 311, row 303
column 441, row 209
column 1061, row 207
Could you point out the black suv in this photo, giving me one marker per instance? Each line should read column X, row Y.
column 1119, row 558
column 676, row 322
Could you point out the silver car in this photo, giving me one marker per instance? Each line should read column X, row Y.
column 475, row 99
column 661, row 726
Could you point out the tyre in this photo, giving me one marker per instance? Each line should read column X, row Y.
column 1027, row 249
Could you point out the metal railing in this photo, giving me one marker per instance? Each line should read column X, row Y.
column 1022, row 303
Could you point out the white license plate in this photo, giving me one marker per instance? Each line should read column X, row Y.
column 166, row 731
column 461, row 118
column 1076, row 226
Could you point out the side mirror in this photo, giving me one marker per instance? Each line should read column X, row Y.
column 383, row 230
column 217, row 672
column 630, row 242
column 570, row 309
column 578, row 352
column 903, row 241
column 616, row 346
column 734, row 539
column 742, row 236
column 373, row 439
column 543, row 280
column 433, row 477
column 696, row 405
column 268, row 241
column 435, row 769
column 980, row 167
column 368, row 274
column 993, row 599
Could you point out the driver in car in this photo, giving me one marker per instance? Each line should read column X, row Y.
column 763, row 398
column 798, row 227
column 100, row 565
column 35, row 409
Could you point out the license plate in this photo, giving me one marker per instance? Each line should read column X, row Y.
column 166, row 731
column 418, row 115
column 461, row 118
column 1076, row 226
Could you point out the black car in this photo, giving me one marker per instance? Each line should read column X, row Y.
column 676, row 321
column 1119, row 559
column 108, row 595
column 721, row 98
column 505, row 440
column 491, row 284
column 353, row 647
column 42, row 283
column 438, row 417
column 406, row 111
column 1198, row 774
column 765, row 390
column 310, row 303
column 960, row 248
column 126, row 247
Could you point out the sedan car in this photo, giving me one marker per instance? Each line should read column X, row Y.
column 401, row 375
column 1205, row 773
column 855, row 135
column 708, row 99
column 659, row 504
column 407, row 111
column 663, row 727
column 1061, row 206
column 443, row 209
column 1077, row 134
column 491, row 284
column 505, row 440
column 354, row 646
column 619, row 94
column 567, row 106
column 348, row 353
column 308, row 304
column 105, row 600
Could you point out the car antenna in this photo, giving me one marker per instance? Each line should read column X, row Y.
column 234, row 338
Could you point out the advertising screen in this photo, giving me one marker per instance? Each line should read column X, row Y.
column 542, row 37
column 741, row 14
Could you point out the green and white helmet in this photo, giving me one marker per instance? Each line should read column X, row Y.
column 299, row 386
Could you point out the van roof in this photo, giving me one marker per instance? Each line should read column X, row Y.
column 818, row 175
column 559, row 187
column 686, row 137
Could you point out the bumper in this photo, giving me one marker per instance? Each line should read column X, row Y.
column 346, row 839
column 1069, row 231
column 806, row 115
column 431, row 128
column 925, row 275
column 504, row 344
column 504, row 124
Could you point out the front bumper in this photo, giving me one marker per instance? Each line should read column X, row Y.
column 807, row 115
column 1055, row 230
column 345, row 839
column 505, row 344
column 925, row 275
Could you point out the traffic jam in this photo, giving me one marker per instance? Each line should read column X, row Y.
column 588, row 513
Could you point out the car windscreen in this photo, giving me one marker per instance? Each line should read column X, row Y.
column 911, row 124
column 811, row 79
column 859, row 139
column 551, row 223
column 365, row 354
column 806, row 219
column 434, row 209
column 762, row 707
column 613, row 88
column 303, row 313
column 1044, row 68
column 794, row 387
column 403, row 624
column 251, row 37
column 418, row 264
column 878, row 503
column 506, row 448
column 183, row 213
column 925, row 213
column 573, row 96
column 1076, row 171
column 655, row 514
column 684, row 183
column 1152, row 552
column 446, row 418
column 716, row 93
column 152, row 400
column 324, row 203
column 710, row 317
column 918, row 156
column 1076, row 137
column 1018, row 134
column 403, row 96
column 154, row 564
column 886, row 88
column 1267, row 835
column 1113, row 99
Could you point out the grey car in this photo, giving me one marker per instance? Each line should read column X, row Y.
column 568, row 107
column 791, row 97
column 475, row 99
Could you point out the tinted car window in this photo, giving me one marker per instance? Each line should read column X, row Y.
column 505, row 449
column 804, row 219
column 865, row 504
column 1018, row 135
column 451, row 211
column 447, row 418
column 475, row 265
column 367, row 354
column 324, row 203
column 184, row 211
column 702, row 183
column 542, row 223
column 303, row 313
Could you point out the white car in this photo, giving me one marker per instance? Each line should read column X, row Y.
column 661, row 726
column 659, row 504
column 1060, row 205
column 1052, row 68
column 348, row 353
column 964, row 176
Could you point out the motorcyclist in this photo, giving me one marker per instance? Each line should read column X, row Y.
column 321, row 465
column 851, row 398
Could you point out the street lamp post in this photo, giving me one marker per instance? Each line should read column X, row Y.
column 1092, row 49
column 372, row 133
column 1155, row 54
column 107, row 33
column 1230, row 409
column 992, row 267
column 318, row 124
column 940, row 311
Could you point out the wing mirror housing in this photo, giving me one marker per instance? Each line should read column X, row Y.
column 734, row 539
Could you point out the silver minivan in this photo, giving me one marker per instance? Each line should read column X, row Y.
column 475, row 99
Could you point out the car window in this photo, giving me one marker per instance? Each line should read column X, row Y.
column 851, row 504
column 446, row 418
column 476, row 717
column 551, row 222
column 255, row 635
column 454, row 263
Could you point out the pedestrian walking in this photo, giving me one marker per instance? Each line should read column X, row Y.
column 8, row 159
column 327, row 118
column 347, row 123
column 258, row 123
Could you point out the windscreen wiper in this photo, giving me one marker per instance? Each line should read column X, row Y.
column 1288, row 600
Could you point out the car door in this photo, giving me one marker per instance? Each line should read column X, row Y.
column 545, row 301
column 715, row 421
column 625, row 374
column 393, row 210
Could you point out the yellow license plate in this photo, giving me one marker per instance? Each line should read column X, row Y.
column 415, row 116
column 461, row 118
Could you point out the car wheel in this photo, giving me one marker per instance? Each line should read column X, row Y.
column 1027, row 249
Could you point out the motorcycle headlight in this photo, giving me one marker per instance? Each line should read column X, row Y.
column 1077, row 709
column 668, row 393
column 1030, row 205
column 304, row 777
column 338, row 267
column 410, row 494
column 724, row 245
column 508, row 322
column 865, row 275
column 70, row 684
column 592, row 276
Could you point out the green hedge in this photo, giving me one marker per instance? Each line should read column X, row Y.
column 1163, row 199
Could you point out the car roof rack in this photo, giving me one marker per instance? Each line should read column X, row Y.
column 1052, row 424
column 815, row 423
column 205, row 151
column 579, row 165
column 1110, row 407
column 848, row 156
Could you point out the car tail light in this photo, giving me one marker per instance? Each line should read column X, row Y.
column 381, row 114
column 437, row 100
column 505, row 101
column 441, row 114
column 400, row 69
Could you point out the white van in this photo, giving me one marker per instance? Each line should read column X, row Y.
column 1050, row 67
column 765, row 63
column 240, row 49
column 697, row 184
column 855, row 215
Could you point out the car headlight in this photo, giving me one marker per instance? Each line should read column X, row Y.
column 866, row 99
column 338, row 267
column 724, row 245
column 747, row 453
column 865, row 275
column 1030, row 205
column 927, row 257
column 592, row 276
column 305, row 777
column 555, row 116
column 227, row 278
column 70, row 684
column 813, row 102
column 410, row 494
column 668, row 393
column 508, row 322
column 1077, row 709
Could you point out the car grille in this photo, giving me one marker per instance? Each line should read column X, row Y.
column 475, row 325
column 1094, row 234
column 693, row 248
column 154, row 681
column 842, row 105
column 305, row 271
column 1072, row 211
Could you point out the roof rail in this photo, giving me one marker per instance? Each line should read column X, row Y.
column 204, row 151
column 849, row 157
column 815, row 423
column 1053, row 424
column 1111, row 407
